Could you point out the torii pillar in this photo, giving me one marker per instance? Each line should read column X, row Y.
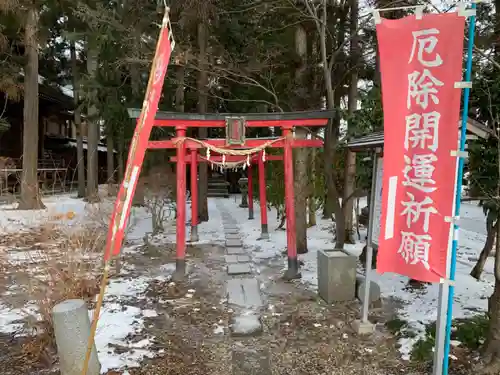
column 264, row 234
column 291, row 234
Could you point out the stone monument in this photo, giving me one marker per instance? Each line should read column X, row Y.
column 336, row 275
column 243, row 182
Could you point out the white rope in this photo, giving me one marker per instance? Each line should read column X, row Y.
column 229, row 151
column 234, row 165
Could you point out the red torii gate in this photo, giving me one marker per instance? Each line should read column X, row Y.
column 233, row 151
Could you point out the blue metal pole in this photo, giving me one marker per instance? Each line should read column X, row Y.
column 453, row 266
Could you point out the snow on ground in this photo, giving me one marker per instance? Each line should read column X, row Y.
column 119, row 321
column 419, row 307
column 12, row 220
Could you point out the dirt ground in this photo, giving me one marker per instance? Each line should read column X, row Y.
column 301, row 334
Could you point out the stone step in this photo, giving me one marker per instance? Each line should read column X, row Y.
column 239, row 268
column 235, row 251
column 234, row 243
column 218, row 191
column 258, row 364
column 221, row 180
column 217, row 195
column 244, row 293
column 232, row 259
column 218, row 184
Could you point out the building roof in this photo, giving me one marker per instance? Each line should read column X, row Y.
column 376, row 139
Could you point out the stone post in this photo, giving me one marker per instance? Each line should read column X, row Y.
column 243, row 182
column 336, row 276
column 72, row 331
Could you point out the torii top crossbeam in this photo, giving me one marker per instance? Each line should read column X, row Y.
column 252, row 120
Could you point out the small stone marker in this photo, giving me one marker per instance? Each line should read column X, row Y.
column 238, row 268
column 246, row 325
column 244, row 293
column 374, row 290
column 234, row 243
column 72, row 331
column 235, row 251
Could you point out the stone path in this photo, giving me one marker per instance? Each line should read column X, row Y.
column 244, row 297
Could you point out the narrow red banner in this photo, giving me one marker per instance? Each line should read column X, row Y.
column 139, row 142
column 420, row 63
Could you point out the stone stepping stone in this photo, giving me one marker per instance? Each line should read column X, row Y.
column 233, row 236
column 239, row 268
column 244, row 293
column 234, row 243
column 237, row 259
column 231, row 231
column 247, row 325
column 235, row 251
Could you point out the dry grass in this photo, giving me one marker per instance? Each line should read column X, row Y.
column 158, row 187
column 47, row 265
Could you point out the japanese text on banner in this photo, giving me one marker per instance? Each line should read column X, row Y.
column 421, row 142
column 421, row 120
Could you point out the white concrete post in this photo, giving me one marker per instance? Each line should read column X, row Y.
column 72, row 331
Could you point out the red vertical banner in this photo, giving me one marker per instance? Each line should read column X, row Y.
column 420, row 64
column 139, row 144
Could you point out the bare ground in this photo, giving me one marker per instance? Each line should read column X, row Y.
column 301, row 335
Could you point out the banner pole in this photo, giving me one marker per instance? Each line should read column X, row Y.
column 443, row 304
column 369, row 245
column 453, row 266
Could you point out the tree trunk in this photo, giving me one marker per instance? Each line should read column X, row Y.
column 179, row 91
column 301, row 188
column 121, row 154
column 492, row 345
column 339, row 74
column 137, row 93
column 349, row 186
column 30, row 197
column 335, row 198
column 202, row 83
column 350, row 162
column 488, row 245
column 328, row 156
column 491, row 352
column 301, row 154
column 80, row 155
column 110, row 163
column 312, row 190
column 92, row 131
column 332, row 203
